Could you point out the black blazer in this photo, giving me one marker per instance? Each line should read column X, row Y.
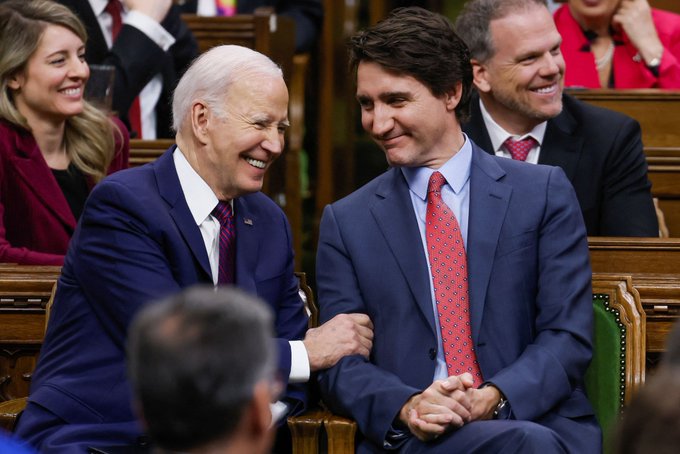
column 601, row 152
column 307, row 14
column 138, row 59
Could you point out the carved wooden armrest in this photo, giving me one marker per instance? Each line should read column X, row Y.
column 10, row 411
column 341, row 433
column 305, row 430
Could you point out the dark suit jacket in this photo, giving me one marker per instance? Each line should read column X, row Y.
column 307, row 14
column 138, row 59
column 36, row 222
column 529, row 283
column 601, row 152
column 136, row 242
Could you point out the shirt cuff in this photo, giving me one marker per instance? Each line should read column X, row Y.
column 299, row 363
column 278, row 409
column 150, row 28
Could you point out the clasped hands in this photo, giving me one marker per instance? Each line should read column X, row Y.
column 447, row 405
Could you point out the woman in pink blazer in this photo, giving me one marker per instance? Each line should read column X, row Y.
column 54, row 146
column 619, row 44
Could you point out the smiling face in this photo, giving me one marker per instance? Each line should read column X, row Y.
column 413, row 127
column 50, row 87
column 521, row 84
column 247, row 139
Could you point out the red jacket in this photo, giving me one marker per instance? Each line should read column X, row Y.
column 628, row 73
column 36, row 222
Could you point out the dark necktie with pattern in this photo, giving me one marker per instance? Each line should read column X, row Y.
column 225, row 216
column 448, row 265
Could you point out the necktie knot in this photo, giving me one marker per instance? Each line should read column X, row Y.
column 223, row 213
column 436, row 182
column 519, row 149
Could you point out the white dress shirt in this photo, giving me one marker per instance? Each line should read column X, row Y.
column 498, row 135
column 201, row 201
column 151, row 93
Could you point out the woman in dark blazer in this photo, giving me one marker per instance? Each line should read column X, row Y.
column 54, row 146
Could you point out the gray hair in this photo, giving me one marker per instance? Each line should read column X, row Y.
column 194, row 360
column 473, row 23
column 210, row 76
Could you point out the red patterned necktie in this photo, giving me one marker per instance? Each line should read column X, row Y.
column 448, row 265
column 115, row 10
column 224, row 215
column 519, row 149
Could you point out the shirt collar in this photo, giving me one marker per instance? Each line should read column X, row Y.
column 456, row 171
column 498, row 135
column 200, row 198
column 98, row 6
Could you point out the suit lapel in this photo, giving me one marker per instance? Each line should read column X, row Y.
column 32, row 168
column 489, row 199
column 170, row 189
column 561, row 146
column 394, row 215
column 248, row 231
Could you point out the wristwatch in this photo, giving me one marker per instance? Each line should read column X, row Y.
column 502, row 410
column 654, row 65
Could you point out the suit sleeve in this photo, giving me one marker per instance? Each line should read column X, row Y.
column 354, row 386
column 118, row 258
column 550, row 367
column 627, row 206
column 137, row 58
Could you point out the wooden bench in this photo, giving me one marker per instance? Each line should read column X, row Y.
column 656, row 110
column 24, row 295
column 664, row 173
column 654, row 265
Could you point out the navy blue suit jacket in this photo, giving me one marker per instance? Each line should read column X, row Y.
column 530, row 293
column 136, row 242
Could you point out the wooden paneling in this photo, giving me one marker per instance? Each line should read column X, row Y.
column 656, row 110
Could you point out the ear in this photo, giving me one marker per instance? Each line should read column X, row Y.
column 453, row 96
column 15, row 81
column 480, row 76
column 201, row 118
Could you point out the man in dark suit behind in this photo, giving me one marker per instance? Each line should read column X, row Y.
column 519, row 78
column 156, row 49
column 195, row 215
column 474, row 270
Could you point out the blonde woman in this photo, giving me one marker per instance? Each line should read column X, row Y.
column 54, row 146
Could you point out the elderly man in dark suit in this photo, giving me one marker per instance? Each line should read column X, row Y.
column 519, row 75
column 195, row 215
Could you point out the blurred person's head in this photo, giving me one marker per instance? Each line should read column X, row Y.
column 516, row 59
column 201, row 365
column 230, row 112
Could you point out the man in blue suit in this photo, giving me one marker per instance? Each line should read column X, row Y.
column 515, row 305
column 154, row 230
